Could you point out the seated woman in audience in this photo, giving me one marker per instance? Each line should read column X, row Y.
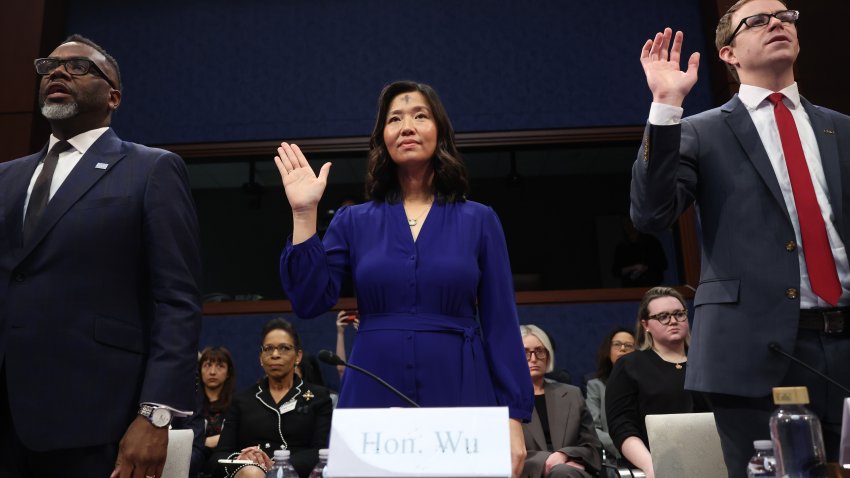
column 218, row 377
column 280, row 412
column 651, row 381
column 616, row 344
column 560, row 438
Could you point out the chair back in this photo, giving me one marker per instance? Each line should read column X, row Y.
column 685, row 444
column 179, row 454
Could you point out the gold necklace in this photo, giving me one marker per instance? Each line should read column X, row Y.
column 412, row 222
column 677, row 364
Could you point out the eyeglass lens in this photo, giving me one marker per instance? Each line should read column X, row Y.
column 282, row 348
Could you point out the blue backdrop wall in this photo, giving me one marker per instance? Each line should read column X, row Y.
column 220, row 70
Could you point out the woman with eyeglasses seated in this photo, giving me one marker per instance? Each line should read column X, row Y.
column 280, row 412
column 651, row 381
column 560, row 439
column 616, row 344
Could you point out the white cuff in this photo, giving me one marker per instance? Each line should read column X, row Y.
column 661, row 114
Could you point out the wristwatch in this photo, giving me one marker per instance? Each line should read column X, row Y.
column 158, row 416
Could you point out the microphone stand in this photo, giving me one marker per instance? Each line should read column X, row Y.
column 333, row 359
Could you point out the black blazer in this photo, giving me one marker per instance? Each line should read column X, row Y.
column 254, row 419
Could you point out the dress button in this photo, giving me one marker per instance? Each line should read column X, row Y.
column 20, row 277
column 790, row 246
column 791, row 293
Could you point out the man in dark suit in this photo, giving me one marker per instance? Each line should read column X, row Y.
column 99, row 286
column 769, row 173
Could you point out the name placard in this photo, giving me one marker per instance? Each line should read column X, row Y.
column 421, row 442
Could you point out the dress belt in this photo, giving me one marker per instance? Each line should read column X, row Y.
column 832, row 321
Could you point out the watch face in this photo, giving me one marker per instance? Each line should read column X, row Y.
column 160, row 417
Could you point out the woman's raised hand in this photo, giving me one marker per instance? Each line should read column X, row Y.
column 303, row 188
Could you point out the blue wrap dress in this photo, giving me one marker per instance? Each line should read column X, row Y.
column 438, row 318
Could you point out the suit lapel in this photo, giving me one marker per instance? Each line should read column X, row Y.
column 824, row 130
column 536, row 429
column 88, row 171
column 17, row 196
column 742, row 126
column 559, row 414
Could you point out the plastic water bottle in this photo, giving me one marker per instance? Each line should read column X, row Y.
column 282, row 468
column 319, row 469
column 797, row 436
column 762, row 464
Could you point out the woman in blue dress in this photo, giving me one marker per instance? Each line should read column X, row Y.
column 438, row 318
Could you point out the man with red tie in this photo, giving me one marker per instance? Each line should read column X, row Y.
column 770, row 174
column 99, row 286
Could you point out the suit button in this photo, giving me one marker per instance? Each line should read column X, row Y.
column 791, row 293
column 790, row 246
column 20, row 277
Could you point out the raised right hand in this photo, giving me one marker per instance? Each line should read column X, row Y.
column 668, row 83
column 303, row 188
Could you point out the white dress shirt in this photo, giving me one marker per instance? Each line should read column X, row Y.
column 760, row 108
column 67, row 160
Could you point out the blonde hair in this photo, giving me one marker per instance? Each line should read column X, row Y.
column 644, row 338
column 536, row 331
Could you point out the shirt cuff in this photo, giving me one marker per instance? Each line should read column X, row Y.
column 661, row 114
column 175, row 412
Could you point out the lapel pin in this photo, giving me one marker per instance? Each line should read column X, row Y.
column 101, row 166
column 829, row 131
column 308, row 395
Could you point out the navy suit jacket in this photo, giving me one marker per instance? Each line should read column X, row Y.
column 100, row 311
column 747, row 296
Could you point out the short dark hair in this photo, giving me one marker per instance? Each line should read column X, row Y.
column 219, row 355
column 603, row 355
column 279, row 323
column 77, row 38
column 450, row 176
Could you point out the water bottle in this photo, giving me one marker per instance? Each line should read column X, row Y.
column 282, row 468
column 762, row 464
column 796, row 434
column 319, row 469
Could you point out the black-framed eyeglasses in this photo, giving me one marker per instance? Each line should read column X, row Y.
column 539, row 352
column 665, row 317
column 762, row 19
column 74, row 66
column 623, row 345
column 283, row 349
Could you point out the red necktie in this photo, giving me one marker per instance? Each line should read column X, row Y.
column 822, row 273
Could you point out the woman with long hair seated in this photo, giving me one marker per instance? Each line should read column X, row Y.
column 651, row 381
column 280, row 412
column 218, row 379
column 617, row 343
column 560, row 439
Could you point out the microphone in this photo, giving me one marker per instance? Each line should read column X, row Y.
column 331, row 358
column 775, row 347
